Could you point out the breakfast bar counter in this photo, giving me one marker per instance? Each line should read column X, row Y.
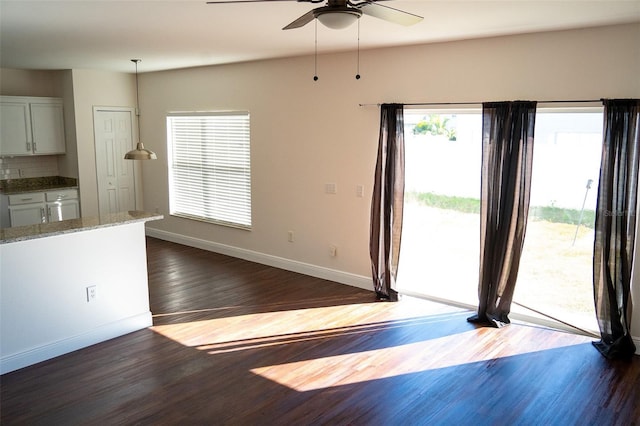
column 71, row 284
column 41, row 230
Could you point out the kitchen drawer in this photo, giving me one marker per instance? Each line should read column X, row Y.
column 62, row 194
column 26, row 198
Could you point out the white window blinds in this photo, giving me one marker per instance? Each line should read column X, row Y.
column 209, row 167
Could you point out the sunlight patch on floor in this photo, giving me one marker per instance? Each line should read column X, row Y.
column 448, row 351
column 236, row 332
column 436, row 349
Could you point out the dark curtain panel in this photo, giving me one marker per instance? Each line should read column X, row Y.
column 615, row 226
column 507, row 155
column 387, row 202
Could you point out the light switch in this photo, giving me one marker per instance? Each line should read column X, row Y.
column 330, row 188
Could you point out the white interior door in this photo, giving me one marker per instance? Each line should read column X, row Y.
column 116, row 178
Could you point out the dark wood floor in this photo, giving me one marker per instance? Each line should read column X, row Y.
column 244, row 344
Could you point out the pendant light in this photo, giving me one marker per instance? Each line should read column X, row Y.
column 140, row 153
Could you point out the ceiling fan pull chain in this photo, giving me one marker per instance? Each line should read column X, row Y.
column 358, row 57
column 315, row 56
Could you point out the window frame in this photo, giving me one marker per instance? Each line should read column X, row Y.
column 224, row 137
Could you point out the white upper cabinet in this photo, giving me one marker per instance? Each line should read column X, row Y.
column 31, row 126
column 47, row 127
column 15, row 128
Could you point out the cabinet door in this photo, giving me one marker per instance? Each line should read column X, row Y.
column 5, row 220
column 27, row 214
column 63, row 210
column 15, row 128
column 47, row 125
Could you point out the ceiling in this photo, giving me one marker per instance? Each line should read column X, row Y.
column 170, row 34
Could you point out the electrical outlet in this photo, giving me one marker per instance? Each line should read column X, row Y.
column 290, row 236
column 91, row 293
column 333, row 250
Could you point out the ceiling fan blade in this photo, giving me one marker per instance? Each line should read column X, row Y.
column 253, row 1
column 390, row 14
column 301, row 21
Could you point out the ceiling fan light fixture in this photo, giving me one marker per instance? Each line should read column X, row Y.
column 338, row 19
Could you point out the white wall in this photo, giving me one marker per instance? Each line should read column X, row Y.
column 306, row 133
column 95, row 88
column 68, row 163
column 15, row 82
column 44, row 310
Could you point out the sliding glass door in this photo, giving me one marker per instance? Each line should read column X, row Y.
column 441, row 234
column 440, row 241
column 556, row 267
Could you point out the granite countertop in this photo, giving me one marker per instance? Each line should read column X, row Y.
column 19, row 186
column 41, row 230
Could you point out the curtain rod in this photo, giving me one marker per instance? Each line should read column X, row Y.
column 480, row 103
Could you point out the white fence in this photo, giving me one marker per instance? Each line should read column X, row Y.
column 566, row 156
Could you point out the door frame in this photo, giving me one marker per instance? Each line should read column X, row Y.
column 137, row 172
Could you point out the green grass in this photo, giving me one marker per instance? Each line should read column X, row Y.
column 461, row 204
column 472, row 205
column 560, row 215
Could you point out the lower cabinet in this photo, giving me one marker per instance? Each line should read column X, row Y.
column 27, row 214
column 27, row 208
column 63, row 210
column 42, row 207
column 62, row 205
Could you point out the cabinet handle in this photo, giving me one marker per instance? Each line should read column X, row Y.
column 34, row 147
column 28, row 146
column 44, row 218
column 26, row 199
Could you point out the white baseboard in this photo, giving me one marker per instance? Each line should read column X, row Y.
column 266, row 259
column 280, row 262
column 51, row 350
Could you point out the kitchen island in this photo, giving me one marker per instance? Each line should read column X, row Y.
column 70, row 284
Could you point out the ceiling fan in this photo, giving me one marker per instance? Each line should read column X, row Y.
column 338, row 14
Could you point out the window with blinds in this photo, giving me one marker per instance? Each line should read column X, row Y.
column 209, row 167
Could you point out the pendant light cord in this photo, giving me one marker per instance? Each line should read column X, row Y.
column 315, row 55
column 135, row 61
column 358, row 54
